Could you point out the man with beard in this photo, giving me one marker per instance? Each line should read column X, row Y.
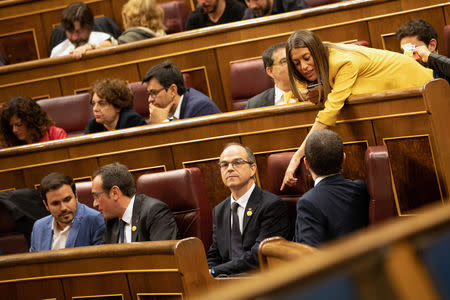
column 261, row 8
column 71, row 224
column 424, row 39
column 78, row 21
column 213, row 12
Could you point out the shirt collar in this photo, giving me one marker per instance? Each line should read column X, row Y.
column 55, row 227
column 320, row 178
column 278, row 96
column 244, row 199
column 177, row 112
column 128, row 212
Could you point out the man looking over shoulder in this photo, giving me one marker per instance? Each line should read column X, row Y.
column 214, row 12
column 244, row 219
column 78, row 21
column 262, row 8
column 335, row 205
column 130, row 217
column 169, row 99
column 71, row 224
column 424, row 37
column 275, row 63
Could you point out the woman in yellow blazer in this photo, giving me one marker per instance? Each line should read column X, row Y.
column 342, row 70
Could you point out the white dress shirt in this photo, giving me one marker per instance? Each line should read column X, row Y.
column 241, row 209
column 127, row 217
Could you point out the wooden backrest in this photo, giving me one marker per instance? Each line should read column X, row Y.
column 275, row 251
column 146, row 270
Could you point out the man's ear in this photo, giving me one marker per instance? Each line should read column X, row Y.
column 344, row 157
column 45, row 204
column 306, row 164
column 115, row 192
column 173, row 89
column 432, row 46
column 269, row 72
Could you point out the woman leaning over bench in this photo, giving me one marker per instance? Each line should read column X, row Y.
column 341, row 70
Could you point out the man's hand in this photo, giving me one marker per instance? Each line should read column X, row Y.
column 159, row 114
column 421, row 53
column 78, row 53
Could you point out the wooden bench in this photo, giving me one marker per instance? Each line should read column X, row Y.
column 146, row 270
column 207, row 53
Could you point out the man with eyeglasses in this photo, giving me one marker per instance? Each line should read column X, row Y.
column 71, row 224
column 245, row 218
column 169, row 99
column 274, row 59
column 130, row 217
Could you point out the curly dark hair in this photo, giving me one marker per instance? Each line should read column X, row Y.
column 420, row 28
column 30, row 113
column 114, row 91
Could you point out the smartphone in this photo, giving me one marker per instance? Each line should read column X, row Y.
column 312, row 85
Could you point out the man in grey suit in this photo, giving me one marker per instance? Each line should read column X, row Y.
column 130, row 217
column 275, row 63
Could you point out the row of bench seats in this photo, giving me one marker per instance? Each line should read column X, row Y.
column 191, row 207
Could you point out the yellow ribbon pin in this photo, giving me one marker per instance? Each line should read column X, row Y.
column 133, row 228
column 249, row 212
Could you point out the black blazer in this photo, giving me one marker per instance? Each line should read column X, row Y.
column 334, row 207
column 266, row 98
column 153, row 220
column 128, row 118
column 269, row 218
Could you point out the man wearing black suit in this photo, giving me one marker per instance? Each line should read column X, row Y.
column 275, row 63
column 130, row 217
column 245, row 218
column 336, row 205
column 169, row 99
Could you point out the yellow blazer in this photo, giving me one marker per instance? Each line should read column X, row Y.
column 356, row 70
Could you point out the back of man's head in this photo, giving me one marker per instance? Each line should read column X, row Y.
column 167, row 74
column 324, row 152
column 116, row 174
column 267, row 55
column 54, row 181
column 80, row 12
column 420, row 28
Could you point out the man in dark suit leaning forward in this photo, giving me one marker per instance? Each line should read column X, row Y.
column 245, row 218
column 336, row 205
column 130, row 217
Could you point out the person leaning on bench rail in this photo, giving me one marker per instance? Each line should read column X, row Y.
column 352, row 69
column 24, row 122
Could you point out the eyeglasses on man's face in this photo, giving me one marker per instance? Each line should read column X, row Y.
column 154, row 93
column 281, row 62
column 234, row 163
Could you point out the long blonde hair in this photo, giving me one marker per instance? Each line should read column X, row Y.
column 319, row 53
column 144, row 13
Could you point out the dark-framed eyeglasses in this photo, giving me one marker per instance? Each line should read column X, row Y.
column 96, row 195
column 234, row 163
column 154, row 93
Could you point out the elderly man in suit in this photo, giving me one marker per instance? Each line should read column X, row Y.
column 245, row 218
column 130, row 217
column 169, row 99
column 275, row 63
column 335, row 206
column 71, row 224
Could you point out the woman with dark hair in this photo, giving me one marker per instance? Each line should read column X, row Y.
column 341, row 70
column 24, row 122
column 112, row 106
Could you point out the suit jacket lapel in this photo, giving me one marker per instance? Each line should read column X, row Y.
column 48, row 235
column 135, row 218
column 75, row 228
column 252, row 207
column 226, row 224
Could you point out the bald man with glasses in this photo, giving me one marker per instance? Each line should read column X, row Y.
column 245, row 218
